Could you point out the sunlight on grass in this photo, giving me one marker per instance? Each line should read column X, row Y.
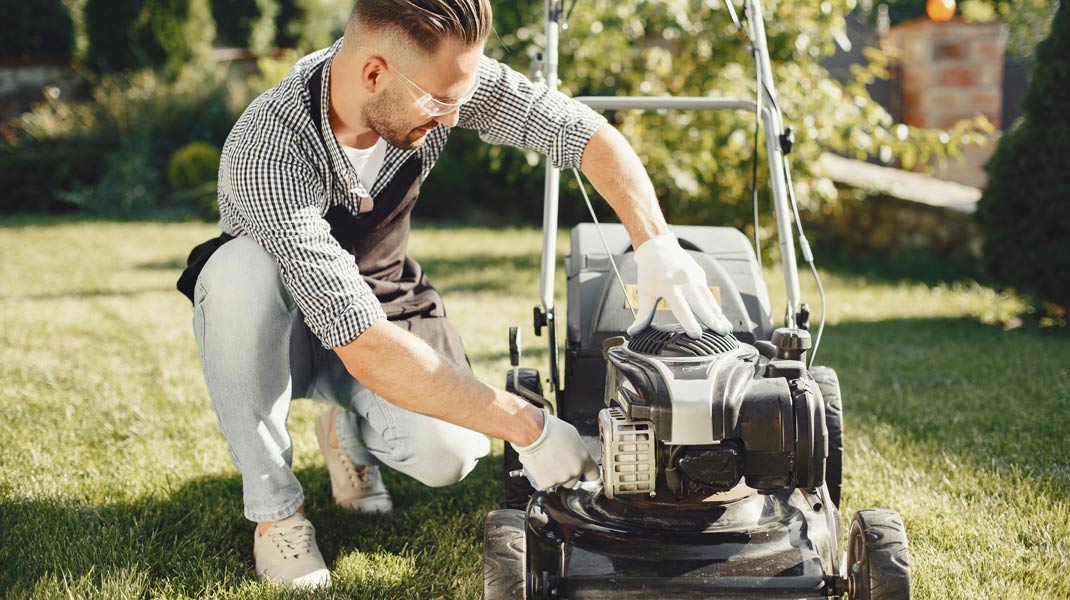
column 115, row 482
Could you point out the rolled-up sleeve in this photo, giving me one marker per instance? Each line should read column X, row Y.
column 508, row 108
column 277, row 202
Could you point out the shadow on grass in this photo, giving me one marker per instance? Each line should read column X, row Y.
column 919, row 266
column 194, row 538
column 483, row 273
column 22, row 220
column 90, row 293
column 175, row 264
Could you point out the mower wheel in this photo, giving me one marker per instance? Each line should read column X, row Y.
column 503, row 556
column 829, row 384
column 878, row 561
column 517, row 489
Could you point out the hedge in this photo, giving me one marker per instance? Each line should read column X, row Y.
column 1024, row 211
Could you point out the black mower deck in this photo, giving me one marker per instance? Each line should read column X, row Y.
column 582, row 545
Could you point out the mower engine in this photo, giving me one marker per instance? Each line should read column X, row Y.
column 687, row 419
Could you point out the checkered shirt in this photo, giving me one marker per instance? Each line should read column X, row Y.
column 281, row 171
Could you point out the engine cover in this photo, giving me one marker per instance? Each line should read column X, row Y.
column 695, row 417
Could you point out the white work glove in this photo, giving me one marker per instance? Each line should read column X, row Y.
column 667, row 271
column 557, row 457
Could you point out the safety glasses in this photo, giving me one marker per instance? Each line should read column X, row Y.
column 431, row 105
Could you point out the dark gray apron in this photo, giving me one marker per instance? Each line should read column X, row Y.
column 379, row 241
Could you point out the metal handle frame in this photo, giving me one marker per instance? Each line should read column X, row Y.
column 772, row 121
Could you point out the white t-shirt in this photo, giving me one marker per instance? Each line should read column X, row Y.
column 367, row 162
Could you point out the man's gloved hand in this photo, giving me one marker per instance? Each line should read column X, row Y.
column 557, row 457
column 667, row 271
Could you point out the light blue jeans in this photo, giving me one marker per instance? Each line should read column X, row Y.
column 257, row 355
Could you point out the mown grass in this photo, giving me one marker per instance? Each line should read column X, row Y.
column 115, row 482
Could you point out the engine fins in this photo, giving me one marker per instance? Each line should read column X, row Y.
column 671, row 341
column 628, row 457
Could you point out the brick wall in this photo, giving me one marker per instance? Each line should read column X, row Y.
column 950, row 71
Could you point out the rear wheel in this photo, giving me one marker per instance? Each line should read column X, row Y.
column 517, row 489
column 829, row 384
column 503, row 556
column 878, row 562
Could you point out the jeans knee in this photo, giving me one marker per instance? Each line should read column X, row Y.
column 446, row 470
column 243, row 274
column 445, row 463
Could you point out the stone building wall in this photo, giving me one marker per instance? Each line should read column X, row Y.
column 947, row 72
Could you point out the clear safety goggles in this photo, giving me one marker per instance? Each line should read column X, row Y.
column 431, row 105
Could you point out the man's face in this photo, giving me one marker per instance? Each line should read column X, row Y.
column 449, row 75
column 384, row 116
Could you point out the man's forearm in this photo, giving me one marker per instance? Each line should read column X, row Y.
column 408, row 373
column 619, row 176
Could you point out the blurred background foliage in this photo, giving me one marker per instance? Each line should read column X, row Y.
column 157, row 83
column 700, row 162
column 42, row 28
column 130, row 34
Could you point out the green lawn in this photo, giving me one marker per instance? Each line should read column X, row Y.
column 115, row 482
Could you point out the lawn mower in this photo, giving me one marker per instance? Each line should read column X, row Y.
column 720, row 457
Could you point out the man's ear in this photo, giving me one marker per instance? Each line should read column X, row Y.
column 370, row 74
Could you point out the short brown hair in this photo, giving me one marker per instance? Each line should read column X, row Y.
column 425, row 22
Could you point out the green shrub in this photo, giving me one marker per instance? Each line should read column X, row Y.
column 32, row 175
column 129, row 186
column 191, row 175
column 41, row 28
column 1024, row 211
column 131, row 34
column 62, row 148
column 192, row 165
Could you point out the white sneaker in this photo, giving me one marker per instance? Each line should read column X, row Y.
column 354, row 487
column 287, row 553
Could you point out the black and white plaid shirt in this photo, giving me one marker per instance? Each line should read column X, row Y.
column 277, row 178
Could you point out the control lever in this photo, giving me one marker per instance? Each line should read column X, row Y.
column 514, row 346
column 514, row 373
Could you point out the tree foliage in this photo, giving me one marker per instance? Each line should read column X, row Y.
column 1025, row 210
column 700, row 162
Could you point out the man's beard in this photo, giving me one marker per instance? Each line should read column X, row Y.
column 380, row 114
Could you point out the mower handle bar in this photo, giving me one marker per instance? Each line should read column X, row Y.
column 671, row 103
column 774, row 128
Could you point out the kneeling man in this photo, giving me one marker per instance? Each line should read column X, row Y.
column 309, row 291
